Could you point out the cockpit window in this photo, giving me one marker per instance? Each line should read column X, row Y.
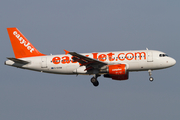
column 163, row 55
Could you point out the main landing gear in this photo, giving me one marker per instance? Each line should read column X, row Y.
column 150, row 78
column 94, row 80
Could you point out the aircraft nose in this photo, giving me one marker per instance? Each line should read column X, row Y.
column 172, row 61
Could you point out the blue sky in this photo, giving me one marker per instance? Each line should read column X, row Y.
column 90, row 26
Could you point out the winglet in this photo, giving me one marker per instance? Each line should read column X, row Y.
column 66, row 52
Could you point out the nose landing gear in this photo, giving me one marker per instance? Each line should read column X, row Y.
column 94, row 80
column 150, row 78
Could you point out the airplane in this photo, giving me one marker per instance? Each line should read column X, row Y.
column 115, row 65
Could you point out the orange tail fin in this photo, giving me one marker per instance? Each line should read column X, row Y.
column 20, row 44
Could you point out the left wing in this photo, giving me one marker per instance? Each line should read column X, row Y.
column 90, row 63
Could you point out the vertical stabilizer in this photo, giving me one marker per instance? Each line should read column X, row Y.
column 20, row 44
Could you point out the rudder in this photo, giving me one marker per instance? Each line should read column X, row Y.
column 21, row 46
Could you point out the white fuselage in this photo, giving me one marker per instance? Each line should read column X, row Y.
column 139, row 60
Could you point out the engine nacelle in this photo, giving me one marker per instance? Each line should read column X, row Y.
column 118, row 77
column 119, row 69
column 116, row 72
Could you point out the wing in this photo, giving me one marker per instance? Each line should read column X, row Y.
column 90, row 63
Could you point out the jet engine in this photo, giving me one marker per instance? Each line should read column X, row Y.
column 116, row 72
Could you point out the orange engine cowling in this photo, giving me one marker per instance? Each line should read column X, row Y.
column 119, row 69
column 121, row 77
column 117, row 72
column 118, row 77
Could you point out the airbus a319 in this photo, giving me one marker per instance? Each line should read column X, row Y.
column 115, row 65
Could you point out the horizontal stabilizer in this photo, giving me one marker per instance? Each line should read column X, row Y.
column 18, row 61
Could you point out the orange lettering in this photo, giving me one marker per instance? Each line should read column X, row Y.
column 129, row 58
column 110, row 56
column 140, row 53
column 119, row 56
column 56, row 60
column 95, row 55
column 65, row 59
column 102, row 57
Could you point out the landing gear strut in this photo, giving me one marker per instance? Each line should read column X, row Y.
column 150, row 78
column 94, row 80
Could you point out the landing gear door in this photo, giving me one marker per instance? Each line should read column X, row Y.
column 150, row 56
column 43, row 62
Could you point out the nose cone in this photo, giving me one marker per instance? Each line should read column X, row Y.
column 172, row 61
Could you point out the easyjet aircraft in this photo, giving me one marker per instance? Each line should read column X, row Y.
column 115, row 65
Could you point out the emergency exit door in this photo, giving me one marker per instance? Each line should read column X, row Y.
column 150, row 57
column 44, row 62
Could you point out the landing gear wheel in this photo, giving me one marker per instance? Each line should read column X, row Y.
column 151, row 79
column 150, row 73
column 94, row 81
